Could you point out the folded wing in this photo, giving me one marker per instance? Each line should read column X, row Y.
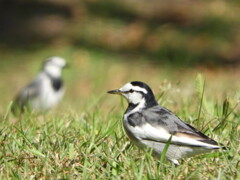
column 159, row 124
column 27, row 94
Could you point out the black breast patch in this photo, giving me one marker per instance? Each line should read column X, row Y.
column 57, row 83
column 135, row 119
column 131, row 122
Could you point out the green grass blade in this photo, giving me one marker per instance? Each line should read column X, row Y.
column 8, row 110
column 35, row 152
column 201, row 83
column 164, row 152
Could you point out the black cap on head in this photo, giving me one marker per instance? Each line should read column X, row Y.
column 142, row 85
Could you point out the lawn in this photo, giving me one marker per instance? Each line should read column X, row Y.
column 83, row 137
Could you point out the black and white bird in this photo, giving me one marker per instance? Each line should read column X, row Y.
column 150, row 125
column 45, row 91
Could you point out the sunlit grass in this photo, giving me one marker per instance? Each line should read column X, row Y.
column 83, row 138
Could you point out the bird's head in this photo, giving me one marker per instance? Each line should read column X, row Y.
column 54, row 65
column 136, row 92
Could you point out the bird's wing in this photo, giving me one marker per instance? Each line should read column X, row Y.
column 159, row 124
column 30, row 92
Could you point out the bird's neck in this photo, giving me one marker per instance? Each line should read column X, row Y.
column 136, row 107
column 55, row 80
column 151, row 103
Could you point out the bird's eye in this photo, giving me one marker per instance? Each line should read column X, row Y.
column 131, row 91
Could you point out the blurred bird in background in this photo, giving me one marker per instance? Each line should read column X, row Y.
column 45, row 91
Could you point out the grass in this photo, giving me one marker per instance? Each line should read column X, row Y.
column 83, row 138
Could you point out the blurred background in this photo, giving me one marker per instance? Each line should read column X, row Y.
column 108, row 43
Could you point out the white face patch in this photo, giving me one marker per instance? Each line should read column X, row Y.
column 53, row 71
column 135, row 96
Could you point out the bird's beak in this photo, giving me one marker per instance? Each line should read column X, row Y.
column 117, row 91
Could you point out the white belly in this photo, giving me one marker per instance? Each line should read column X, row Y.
column 48, row 97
